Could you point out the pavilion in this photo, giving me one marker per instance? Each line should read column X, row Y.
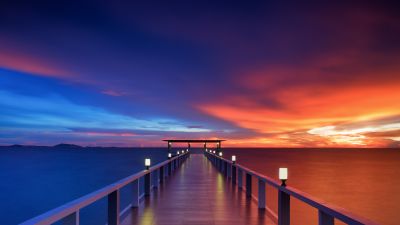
column 189, row 141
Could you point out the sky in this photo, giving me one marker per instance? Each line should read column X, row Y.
column 257, row 73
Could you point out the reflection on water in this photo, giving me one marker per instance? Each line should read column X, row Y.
column 360, row 180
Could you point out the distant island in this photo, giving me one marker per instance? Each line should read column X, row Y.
column 58, row 146
column 69, row 146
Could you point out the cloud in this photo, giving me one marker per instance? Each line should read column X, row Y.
column 259, row 73
column 29, row 64
column 359, row 133
column 55, row 114
column 113, row 93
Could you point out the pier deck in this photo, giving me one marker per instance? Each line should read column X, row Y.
column 197, row 194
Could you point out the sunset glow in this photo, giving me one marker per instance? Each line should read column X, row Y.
column 133, row 75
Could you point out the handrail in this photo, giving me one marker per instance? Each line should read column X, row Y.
column 329, row 209
column 71, row 207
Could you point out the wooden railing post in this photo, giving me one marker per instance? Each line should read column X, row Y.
column 261, row 194
column 283, row 208
column 72, row 219
column 240, row 178
column 325, row 219
column 147, row 184
column 229, row 170
column 136, row 194
column 233, row 170
column 169, row 169
column 155, row 178
column 113, row 208
column 248, row 185
column 162, row 174
column 225, row 169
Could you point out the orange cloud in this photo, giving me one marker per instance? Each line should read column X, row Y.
column 288, row 112
column 32, row 64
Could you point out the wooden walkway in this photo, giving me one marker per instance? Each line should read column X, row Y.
column 197, row 194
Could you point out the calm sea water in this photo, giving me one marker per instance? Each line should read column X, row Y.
column 363, row 181
column 33, row 181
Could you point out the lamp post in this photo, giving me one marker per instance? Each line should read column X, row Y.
column 147, row 182
column 233, row 172
column 147, row 163
column 283, row 176
column 284, row 200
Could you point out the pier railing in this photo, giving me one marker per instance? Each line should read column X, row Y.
column 68, row 214
column 326, row 212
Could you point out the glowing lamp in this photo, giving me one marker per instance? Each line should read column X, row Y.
column 177, row 152
column 214, row 152
column 220, row 154
column 283, row 175
column 234, row 159
column 169, row 155
column 147, row 163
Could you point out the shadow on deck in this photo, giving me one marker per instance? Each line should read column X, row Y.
column 197, row 194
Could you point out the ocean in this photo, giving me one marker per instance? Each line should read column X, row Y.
column 35, row 180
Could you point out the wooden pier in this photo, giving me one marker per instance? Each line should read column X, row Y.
column 197, row 194
column 198, row 189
